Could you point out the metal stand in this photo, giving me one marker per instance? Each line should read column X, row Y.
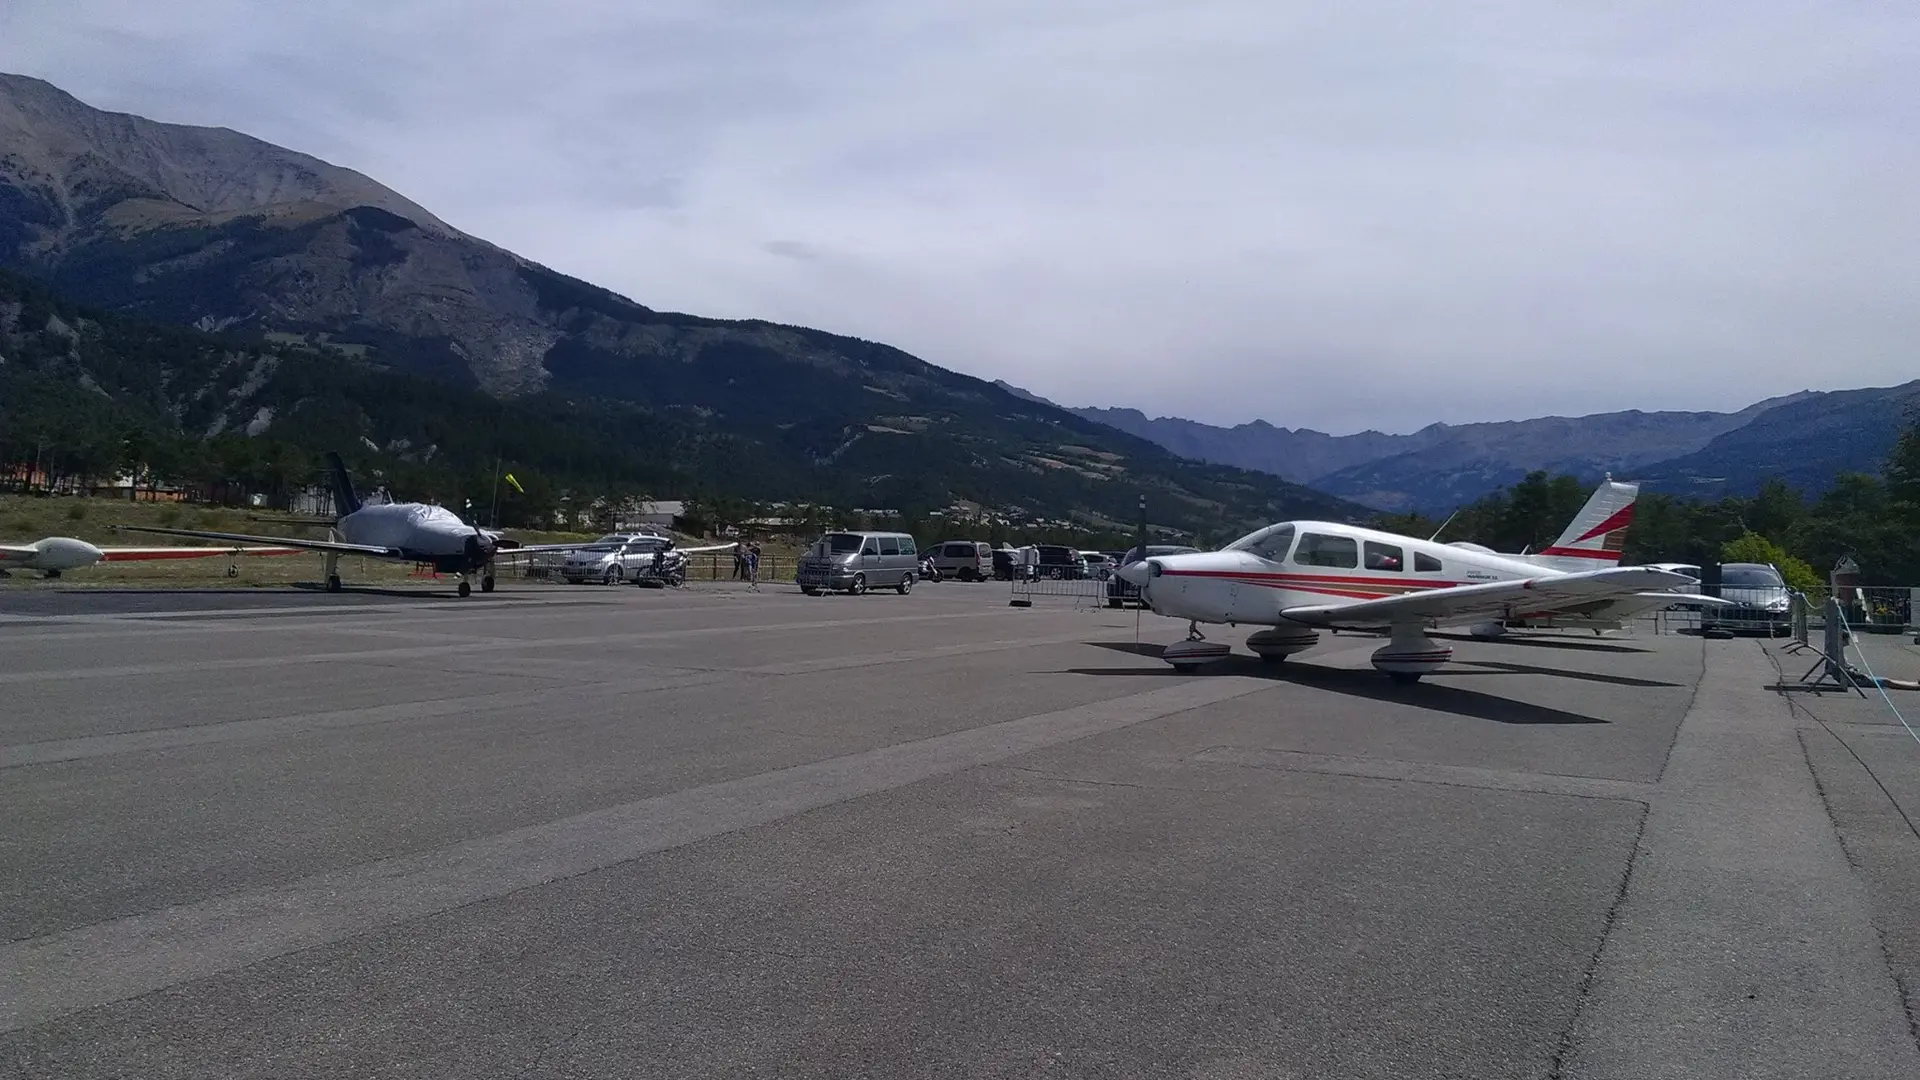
column 1832, row 663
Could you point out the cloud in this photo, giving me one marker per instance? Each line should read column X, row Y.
column 1338, row 216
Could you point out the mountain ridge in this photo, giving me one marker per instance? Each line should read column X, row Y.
column 1441, row 465
column 381, row 280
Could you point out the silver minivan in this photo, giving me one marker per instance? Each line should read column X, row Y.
column 854, row 562
column 968, row 560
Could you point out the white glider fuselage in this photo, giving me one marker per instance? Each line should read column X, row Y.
column 55, row 553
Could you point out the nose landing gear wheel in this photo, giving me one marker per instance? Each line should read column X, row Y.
column 486, row 583
column 465, row 590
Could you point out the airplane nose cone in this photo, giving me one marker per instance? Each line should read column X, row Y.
column 1136, row 574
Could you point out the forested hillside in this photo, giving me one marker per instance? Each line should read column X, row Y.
column 1873, row 518
column 96, row 395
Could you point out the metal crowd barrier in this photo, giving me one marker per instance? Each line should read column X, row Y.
column 1078, row 591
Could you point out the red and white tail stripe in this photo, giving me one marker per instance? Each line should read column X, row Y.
column 1599, row 531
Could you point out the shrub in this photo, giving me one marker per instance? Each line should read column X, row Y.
column 1754, row 548
column 77, row 512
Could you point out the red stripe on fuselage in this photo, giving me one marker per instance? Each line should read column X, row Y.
column 1254, row 576
column 1582, row 553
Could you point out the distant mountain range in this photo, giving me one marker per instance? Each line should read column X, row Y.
column 214, row 230
column 1806, row 438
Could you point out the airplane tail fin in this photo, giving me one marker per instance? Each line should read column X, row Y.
column 345, row 501
column 1598, row 533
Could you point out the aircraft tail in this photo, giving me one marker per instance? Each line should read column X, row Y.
column 1598, row 533
column 345, row 501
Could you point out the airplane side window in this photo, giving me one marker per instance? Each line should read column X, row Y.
column 1384, row 557
column 1425, row 564
column 1335, row 551
column 889, row 546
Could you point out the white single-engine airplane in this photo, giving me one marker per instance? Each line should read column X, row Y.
column 403, row 532
column 1298, row 577
column 57, row 553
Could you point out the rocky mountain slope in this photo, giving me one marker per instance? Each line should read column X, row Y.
column 1807, row 437
column 210, row 229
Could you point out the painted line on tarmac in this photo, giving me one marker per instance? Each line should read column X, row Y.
column 52, row 751
column 47, row 977
column 1585, row 787
column 246, row 663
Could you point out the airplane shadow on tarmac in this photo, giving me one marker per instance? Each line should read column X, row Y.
column 1439, row 697
column 1574, row 644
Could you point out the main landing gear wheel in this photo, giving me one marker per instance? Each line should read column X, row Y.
column 858, row 586
column 906, row 585
column 486, row 583
column 465, row 590
column 333, row 583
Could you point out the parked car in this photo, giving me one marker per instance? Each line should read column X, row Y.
column 613, row 558
column 967, row 560
column 1099, row 565
column 854, row 562
column 1687, row 570
column 1059, row 562
column 1120, row 593
column 1757, row 600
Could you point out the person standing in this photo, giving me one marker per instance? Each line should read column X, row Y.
column 753, row 567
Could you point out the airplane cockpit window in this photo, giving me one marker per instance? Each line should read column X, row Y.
column 1384, row 557
column 1424, row 563
column 1316, row 549
column 1270, row 543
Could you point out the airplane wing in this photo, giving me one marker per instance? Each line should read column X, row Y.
column 15, row 556
column 274, row 541
column 539, row 549
column 1637, row 604
column 134, row 554
column 1499, row 599
column 544, row 549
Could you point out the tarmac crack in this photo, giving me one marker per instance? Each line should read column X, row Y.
column 1563, row 1053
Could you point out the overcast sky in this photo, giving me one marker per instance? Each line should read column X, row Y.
column 1329, row 215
